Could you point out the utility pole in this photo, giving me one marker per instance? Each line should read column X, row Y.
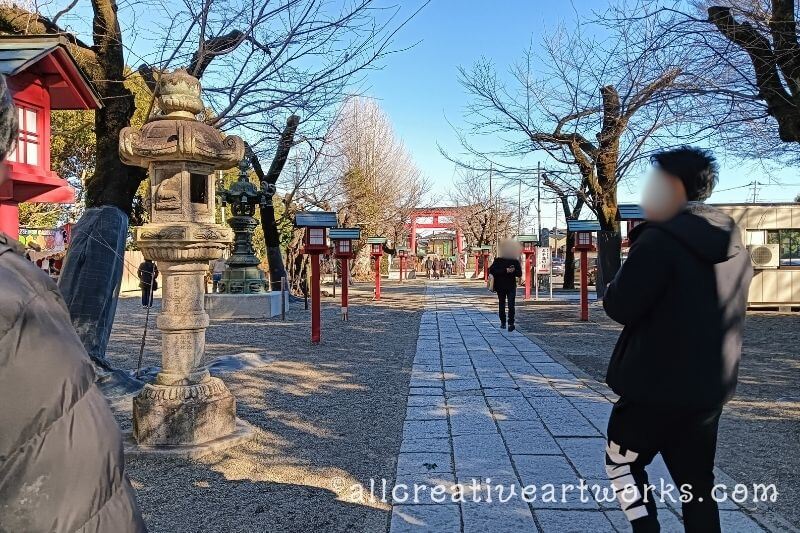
column 755, row 185
column 519, row 207
column 539, row 197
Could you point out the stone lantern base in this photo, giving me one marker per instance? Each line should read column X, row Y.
column 173, row 415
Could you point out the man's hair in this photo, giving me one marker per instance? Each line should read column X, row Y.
column 695, row 167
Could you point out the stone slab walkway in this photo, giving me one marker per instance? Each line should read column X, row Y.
column 487, row 408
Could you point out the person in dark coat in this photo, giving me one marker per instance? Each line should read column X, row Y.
column 148, row 281
column 61, row 462
column 505, row 270
column 681, row 296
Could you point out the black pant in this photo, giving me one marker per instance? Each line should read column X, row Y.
column 686, row 439
column 147, row 296
column 503, row 294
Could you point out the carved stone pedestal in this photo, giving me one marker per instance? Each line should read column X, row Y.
column 169, row 415
column 185, row 410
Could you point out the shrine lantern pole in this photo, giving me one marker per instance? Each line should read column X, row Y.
column 529, row 251
column 583, row 230
column 316, row 224
column 402, row 254
column 376, row 251
column 485, row 251
column 343, row 239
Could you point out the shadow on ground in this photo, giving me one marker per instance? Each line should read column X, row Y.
column 329, row 419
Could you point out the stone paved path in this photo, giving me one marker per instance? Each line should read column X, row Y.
column 485, row 403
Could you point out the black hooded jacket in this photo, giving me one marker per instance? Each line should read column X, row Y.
column 682, row 296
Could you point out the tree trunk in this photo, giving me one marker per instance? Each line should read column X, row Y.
column 93, row 265
column 272, row 238
column 569, row 262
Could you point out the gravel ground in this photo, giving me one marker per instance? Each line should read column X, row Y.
column 760, row 427
column 328, row 417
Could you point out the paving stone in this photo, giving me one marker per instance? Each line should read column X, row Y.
column 587, row 455
column 426, row 412
column 555, row 370
column 444, row 518
column 472, row 424
column 437, row 445
column 503, row 392
column 538, row 389
column 425, row 391
column 423, row 462
column 550, row 403
column 463, row 371
column 416, row 401
column 420, row 489
column 512, row 409
column 737, row 522
column 668, row 521
column 557, row 484
column 597, row 412
column 552, row 521
column 425, row 429
column 528, row 437
column 497, row 382
column 567, row 423
column 509, row 517
column 461, row 384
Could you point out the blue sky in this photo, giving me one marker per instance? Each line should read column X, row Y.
column 420, row 92
column 419, row 89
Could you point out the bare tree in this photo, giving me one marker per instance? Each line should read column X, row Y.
column 739, row 71
column 260, row 62
column 377, row 180
column 483, row 216
column 596, row 107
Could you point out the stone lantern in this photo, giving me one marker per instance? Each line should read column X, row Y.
column 184, row 407
column 243, row 276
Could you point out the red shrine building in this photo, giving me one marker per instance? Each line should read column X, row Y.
column 42, row 76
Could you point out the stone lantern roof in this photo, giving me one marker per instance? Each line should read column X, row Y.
column 177, row 135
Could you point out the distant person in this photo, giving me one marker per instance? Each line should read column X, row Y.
column 148, row 281
column 681, row 295
column 505, row 270
column 61, row 462
column 218, row 267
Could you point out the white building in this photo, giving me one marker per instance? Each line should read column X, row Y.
column 772, row 235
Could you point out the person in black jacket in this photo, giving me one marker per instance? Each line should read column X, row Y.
column 505, row 270
column 681, row 296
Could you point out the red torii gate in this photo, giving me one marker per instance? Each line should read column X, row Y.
column 434, row 213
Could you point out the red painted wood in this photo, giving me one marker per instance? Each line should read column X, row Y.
column 345, row 286
column 315, row 299
column 528, row 274
column 377, row 277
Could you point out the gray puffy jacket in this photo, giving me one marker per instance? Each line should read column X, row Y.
column 61, row 462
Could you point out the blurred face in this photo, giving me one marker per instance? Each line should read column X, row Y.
column 663, row 196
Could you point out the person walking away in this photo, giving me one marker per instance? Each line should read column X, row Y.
column 505, row 270
column 148, row 276
column 61, row 461
column 218, row 267
column 681, row 296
